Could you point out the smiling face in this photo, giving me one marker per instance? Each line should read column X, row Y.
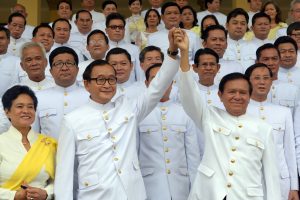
column 271, row 11
column 101, row 93
column 235, row 96
column 21, row 112
column 45, row 36
column 171, row 17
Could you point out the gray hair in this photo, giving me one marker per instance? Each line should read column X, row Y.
column 28, row 45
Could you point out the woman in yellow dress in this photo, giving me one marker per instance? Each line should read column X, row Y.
column 189, row 19
column 151, row 20
column 273, row 10
column 27, row 159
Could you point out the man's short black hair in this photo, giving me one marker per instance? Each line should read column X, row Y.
column 169, row 4
column 64, row 1
column 285, row 39
column 16, row 14
column 236, row 12
column 212, row 28
column 88, row 70
column 108, row 2
column 149, row 49
column 83, row 11
column 147, row 73
column 62, row 50
column 113, row 16
column 232, row 77
column 260, row 15
column 205, row 51
column 42, row 25
column 117, row 51
column 293, row 27
column 12, row 93
column 132, row 1
column 94, row 32
column 6, row 31
column 250, row 69
column 264, row 47
column 61, row 20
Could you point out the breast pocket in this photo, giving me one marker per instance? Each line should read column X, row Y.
column 178, row 129
column 287, row 103
column 278, row 133
column 87, row 140
column 255, row 147
column 87, row 181
column 46, row 115
column 218, row 129
column 148, row 130
column 206, row 170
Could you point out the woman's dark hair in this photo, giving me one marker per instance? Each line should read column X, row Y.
column 12, row 93
column 147, row 15
column 278, row 15
column 208, row 17
column 195, row 22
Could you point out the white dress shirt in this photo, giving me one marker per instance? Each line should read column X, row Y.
column 210, row 95
column 233, row 50
column 239, row 154
column 284, row 94
column 290, row 75
column 79, row 41
column 96, row 16
column 49, row 114
column 168, row 152
column 220, row 17
column 27, row 34
column 15, row 45
column 8, row 72
column 227, row 67
column 283, row 134
column 12, row 152
column 97, row 143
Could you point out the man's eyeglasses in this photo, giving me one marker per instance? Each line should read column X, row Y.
column 60, row 64
column 115, row 27
column 102, row 80
column 99, row 42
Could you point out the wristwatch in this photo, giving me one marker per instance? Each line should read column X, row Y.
column 172, row 53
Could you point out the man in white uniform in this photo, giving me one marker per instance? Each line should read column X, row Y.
column 64, row 97
column 8, row 63
column 19, row 8
column 97, row 46
column 115, row 30
column 16, row 26
column 78, row 39
column 236, row 26
column 239, row 154
column 97, row 157
column 168, row 148
column 288, row 72
column 261, row 26
column 212, row 8
column 207, row 66
column 281, row 93
column 293, row 31
column 254, row 7
column 215, row 38
column 260, row 77
column 171, row 18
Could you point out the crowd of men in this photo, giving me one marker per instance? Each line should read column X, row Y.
column 129, row 133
